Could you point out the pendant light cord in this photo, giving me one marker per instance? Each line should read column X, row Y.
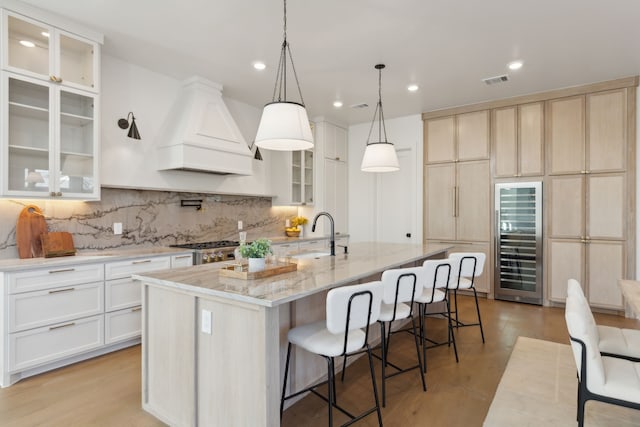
column 281, row 75
column 382, row 129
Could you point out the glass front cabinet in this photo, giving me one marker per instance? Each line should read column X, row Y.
column 302, row 177
column 50, row 112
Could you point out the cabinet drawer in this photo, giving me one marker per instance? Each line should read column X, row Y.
column 124, row 269
column 44, row 345
column 33, row 309
column 285, row 249
column 46, row 278
column 121, row 293
column 185, row 260
column 313, row 244
column 123, row 324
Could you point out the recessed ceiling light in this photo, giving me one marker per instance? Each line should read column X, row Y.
column 337, row 104
column 515, row 65
column 27, row 43
column 413, row 88
column 259, row 65
column 44, row 33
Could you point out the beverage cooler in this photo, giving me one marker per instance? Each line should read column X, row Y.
column 518, row 242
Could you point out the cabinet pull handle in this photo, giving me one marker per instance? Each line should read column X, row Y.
column 183, row 256
column 141, row 262
column 52, row 194
column 66, row 325
column 59, row 193
column 58, row 80
column 52, row 78
column 63, row 270
column 134, row 309
column 453, row 201
column 57, row 291
column 497, row 238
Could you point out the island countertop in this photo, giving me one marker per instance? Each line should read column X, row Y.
column 312, row 275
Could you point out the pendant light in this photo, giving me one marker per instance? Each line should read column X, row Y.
column 380, row 155
column 284, row 124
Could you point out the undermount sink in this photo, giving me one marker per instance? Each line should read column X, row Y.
column 309, row 255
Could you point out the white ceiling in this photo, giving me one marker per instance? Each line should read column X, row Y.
column 445, row 46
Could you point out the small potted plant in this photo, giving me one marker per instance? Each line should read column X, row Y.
column 256, row 251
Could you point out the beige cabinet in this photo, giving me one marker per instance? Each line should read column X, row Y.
column 587, row 237
column 517, row 138
column 457, row 138
column 457, row 202
column 588, row 133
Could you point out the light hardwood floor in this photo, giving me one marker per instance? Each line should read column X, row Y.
column 106, row 391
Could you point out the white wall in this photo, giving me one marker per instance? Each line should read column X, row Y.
column 374, row 204
column 132, row 163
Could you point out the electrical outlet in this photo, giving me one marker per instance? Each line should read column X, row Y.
column 206, row 322
column 240, row 225
column 117, row 228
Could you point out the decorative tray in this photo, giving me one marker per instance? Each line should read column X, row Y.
column 239, row 271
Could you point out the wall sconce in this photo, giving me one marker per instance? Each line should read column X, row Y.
column 133, row 129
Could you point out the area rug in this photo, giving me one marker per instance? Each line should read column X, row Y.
column 539, row 386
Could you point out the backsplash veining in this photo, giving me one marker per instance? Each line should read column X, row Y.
column 149, row 218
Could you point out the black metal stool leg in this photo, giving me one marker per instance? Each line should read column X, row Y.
column 375, row 387
column 330, row 388
column 284, row 385
column 415, row 335
column 384, row 362
column 475, row 295
column 452, row 335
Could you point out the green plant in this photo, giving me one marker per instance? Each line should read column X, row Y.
column 257, row 249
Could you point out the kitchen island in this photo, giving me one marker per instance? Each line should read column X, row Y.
column 213, row 347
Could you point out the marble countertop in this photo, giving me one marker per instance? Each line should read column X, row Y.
column 87, row 257
column 312, row 276
column 279, row 240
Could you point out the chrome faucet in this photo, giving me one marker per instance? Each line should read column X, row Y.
column 333, row 231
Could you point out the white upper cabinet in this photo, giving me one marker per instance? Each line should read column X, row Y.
column 335, row 142
column 49, row 105
column 39, row 50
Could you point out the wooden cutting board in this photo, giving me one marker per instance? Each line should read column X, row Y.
column 57, row 243
column 29, row 227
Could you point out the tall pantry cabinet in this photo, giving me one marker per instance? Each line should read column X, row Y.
column 589, row 199
column 457, row 184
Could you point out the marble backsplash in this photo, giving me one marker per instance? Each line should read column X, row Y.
column 149, row 218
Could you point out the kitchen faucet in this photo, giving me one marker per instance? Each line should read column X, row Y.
column 333, row 231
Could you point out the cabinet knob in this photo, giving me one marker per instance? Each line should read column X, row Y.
column 52, row 194
column 337, row 158
column 59, row 193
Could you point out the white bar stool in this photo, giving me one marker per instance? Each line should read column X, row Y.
column 349, row 308
column 437, row 274
column 401, row 287
column 466, row 267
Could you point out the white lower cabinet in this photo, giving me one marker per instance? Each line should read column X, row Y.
column 50, row 343
column 122, row 324
column 51, row 317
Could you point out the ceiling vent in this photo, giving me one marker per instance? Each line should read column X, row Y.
column 495, row 80
column 363, row 105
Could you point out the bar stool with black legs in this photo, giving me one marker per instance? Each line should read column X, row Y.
column 437, row 274
column 467, row 266
column 401, row 287
column 349, row 310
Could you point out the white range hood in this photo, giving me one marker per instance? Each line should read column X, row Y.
column 200, row 134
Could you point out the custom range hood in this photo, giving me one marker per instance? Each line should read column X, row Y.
column 200, row 135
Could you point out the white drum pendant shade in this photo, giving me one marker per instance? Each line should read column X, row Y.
column 380, row 157
column 284, row 126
